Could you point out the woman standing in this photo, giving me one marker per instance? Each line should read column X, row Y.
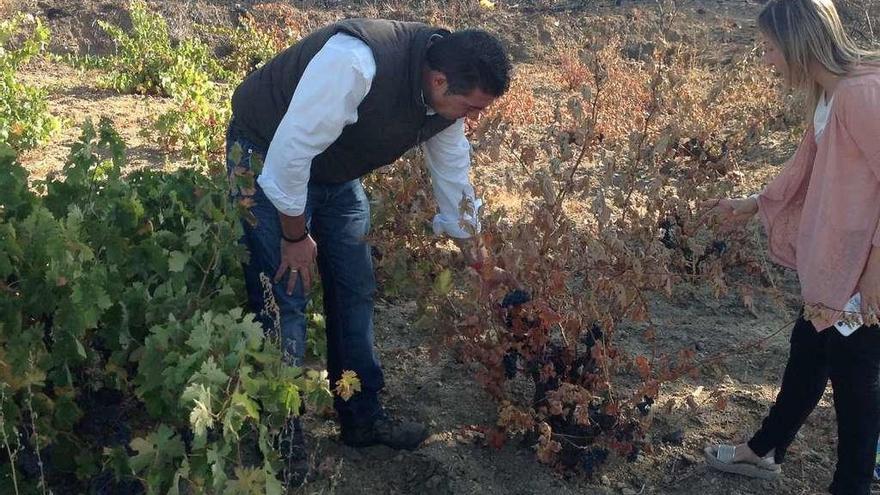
column 822, row 215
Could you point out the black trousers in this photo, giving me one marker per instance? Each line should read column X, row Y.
column 853, row 365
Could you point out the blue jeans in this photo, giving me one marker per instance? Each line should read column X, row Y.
column 338, row 216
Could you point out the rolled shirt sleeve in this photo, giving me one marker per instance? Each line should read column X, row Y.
column 448, row 158
column 326, row 100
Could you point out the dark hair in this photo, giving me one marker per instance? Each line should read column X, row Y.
column 471, row 59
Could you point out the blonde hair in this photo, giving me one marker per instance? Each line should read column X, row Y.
column 809, row 31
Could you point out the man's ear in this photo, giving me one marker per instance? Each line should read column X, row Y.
column 438, row 80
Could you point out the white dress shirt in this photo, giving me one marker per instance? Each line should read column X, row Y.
column 333, row 85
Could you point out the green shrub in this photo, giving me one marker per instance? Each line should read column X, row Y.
column 24, row 115
column 131, row 287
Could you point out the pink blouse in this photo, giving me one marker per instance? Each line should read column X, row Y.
column 823, row 210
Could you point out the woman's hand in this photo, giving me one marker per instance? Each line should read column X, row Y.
column 732, row 213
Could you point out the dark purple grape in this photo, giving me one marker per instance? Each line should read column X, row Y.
column 716, row 249
column 592, row 459
column 121, row 435
column 605, row 422
column 511, row 360
column 670, row 226
column 590, row 337
column 669, row 240
column 515, row 298
column 28, row 462
column 633, row 454
column 644, row 406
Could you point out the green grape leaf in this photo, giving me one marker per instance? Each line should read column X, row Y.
column 176, row 261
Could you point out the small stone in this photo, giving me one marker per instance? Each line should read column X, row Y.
column 604, row 480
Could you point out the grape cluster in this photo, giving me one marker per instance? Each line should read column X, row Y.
column 27, row 460
column 516, row 297
column 569, row 364
column 717, row 247
column 104, row 418
column 512, row 299
column 671, row 229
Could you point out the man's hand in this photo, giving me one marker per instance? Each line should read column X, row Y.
column 869, row 284
column 470, row 251
column 298, row 258
column 731, row 213
column 475, row 256
column 498, row 277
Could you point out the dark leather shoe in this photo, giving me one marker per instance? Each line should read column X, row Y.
column 294, row 456
column 398, row 435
